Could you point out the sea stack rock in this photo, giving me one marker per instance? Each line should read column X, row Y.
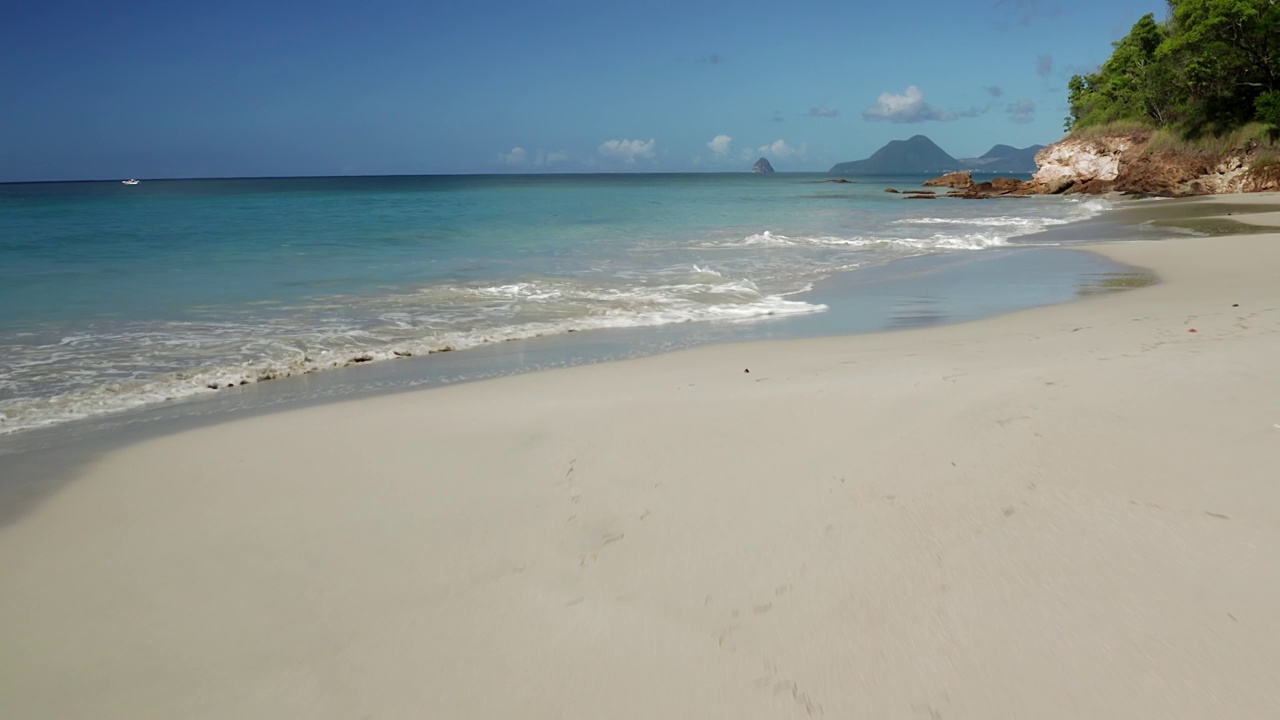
column 957, row 180
column 762, row 166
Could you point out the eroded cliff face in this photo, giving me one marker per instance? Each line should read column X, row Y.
column 1125, row 162
column 1071, row 162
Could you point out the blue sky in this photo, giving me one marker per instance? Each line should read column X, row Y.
column 179, row 89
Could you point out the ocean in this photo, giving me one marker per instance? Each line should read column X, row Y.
column 115, row 297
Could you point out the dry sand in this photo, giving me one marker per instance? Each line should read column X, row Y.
column 1068, row 512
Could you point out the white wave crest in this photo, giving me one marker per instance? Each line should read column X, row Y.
column 117, row 373
column 768, row 239
column 1033, row 223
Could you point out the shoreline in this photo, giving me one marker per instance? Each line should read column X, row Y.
column 129, row 409
column 1062, row 511
column 291, row 344
column 911, row 293
column 881, row 298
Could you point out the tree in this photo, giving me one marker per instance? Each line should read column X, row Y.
column 1268, row 107
column 1230, row 52
column 1138, row 81
column 1212, row 66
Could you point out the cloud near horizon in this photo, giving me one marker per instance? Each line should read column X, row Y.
column 517, row 156
column 627, row 150
column 822, row 112
column 909, row 107
column 778, row 148
column 720, row 145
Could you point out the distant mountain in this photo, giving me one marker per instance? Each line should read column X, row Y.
column 1005, row 159
column 1002, row 151
column 919, row 155
column 762, row 166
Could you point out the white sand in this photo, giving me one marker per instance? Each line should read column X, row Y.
column 1069, row 512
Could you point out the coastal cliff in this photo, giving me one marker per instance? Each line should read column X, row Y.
column 1134, row 163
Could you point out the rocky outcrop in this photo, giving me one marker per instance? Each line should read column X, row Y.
column 1127, row 163
column 998, row 187
column 957, row 180
column 762, row 166
column 1070, row 162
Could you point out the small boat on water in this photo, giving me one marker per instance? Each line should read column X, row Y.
column 130, row 181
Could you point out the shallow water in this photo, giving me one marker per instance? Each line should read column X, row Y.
column 115, row 297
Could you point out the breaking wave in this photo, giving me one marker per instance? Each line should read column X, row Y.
column 92, row 373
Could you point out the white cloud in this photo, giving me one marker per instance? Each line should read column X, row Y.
column 778, row 149
column 517, row 156
column 627, row 150
column 908, row 107
column 720, row 144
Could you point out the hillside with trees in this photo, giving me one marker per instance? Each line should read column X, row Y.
column 1210, row 68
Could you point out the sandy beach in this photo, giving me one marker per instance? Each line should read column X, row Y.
column 1066, row 512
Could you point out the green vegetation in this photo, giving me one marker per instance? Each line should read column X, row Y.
column 1247, row 135
column 1112, row 127
column 1210, row 69
column 1112, row 282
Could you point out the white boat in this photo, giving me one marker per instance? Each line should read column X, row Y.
column 129, row 182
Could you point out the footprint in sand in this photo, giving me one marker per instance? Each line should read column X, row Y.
column 726, row 640
column 785, row 686
column 605, row 541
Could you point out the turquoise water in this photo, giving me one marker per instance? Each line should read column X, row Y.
column 115, row 296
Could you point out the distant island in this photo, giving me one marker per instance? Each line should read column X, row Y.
column 762, row 166
column 920, row 155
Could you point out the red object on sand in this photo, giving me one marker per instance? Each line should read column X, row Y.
column 1192, row 330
